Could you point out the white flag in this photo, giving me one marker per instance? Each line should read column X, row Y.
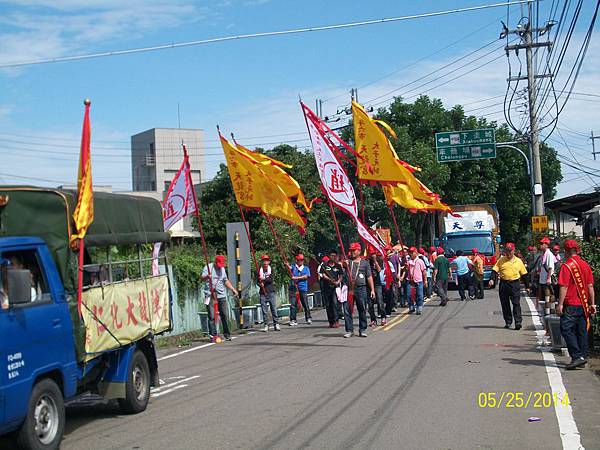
column 334, row 178
column 180, row 201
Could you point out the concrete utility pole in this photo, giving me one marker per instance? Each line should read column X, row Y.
column 593, row 138
column 527, row 43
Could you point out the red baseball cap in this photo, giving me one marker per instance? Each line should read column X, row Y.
column 220, row 261
column 556, row 247
column 325, row 258
column 571, row 244
column 474, row 250
column 299, row 257
column 412, row 249
column 440, row 250
column 422, row 251
column 355, row 246
column 432, row 249
column 545, row 240
column 265, row 258
column 530, row 248
column 509, row 246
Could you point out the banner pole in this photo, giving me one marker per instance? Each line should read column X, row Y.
column 285, row 261
column 391, row 208
column 247, row 229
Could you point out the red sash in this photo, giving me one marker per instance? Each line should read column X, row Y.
column 575, row 272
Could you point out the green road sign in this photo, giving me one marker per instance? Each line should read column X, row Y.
column 464, row 145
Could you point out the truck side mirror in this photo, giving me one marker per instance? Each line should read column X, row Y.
column 19, row 286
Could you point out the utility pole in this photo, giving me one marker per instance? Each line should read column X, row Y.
column 525, row 32
column 319, row 107
column 593, row 138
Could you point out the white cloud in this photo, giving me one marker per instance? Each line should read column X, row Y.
column 47, row 29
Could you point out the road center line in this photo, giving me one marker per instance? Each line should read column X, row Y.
column 569, row 433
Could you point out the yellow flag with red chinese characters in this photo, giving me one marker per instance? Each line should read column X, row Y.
column 376, row 149
column 254, row 190
column 84, row 210
column 274, row 172
column 401, row 196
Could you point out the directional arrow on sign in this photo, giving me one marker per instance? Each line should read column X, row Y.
column 442, row 139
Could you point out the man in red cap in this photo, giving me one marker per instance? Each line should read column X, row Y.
column 477, row 273
column 331, row 279
column 546, row 270
column 441, row 273
column 267, row 293
column 416, row 274
column 215, row 277
column 299, row 283
column 510, row 269
column 576, row 303
column 359, row 274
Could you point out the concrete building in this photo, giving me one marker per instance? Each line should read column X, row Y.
column 156, row 156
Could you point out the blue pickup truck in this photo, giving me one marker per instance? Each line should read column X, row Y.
column 53, row 350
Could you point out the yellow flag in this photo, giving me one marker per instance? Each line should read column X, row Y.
column 402, row 197
column 84, row 210
column 274, row 172
column 376, row 149
column 253, row 189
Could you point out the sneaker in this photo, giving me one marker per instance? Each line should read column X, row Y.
column 383, row 322
column 373, row 323
column 575, row 363
column 277, row 327
column 471, row 298
column 266, row 328
column 291, row 324
column 518, row 327
column 309, row 321
column 410, row 311
column 227, row 338
column 393, row 309
column 507, row 325
column 349, row 334
column 418, row 313
column 362, row 334
column 388, row 315
column 336, row 325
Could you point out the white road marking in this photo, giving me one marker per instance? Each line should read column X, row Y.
column 182, row 380
column 193, row 349
column 158, row 394
column 569, row 433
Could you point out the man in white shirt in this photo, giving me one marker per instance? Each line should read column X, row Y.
column 546, row 270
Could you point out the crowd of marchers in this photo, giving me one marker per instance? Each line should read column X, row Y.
column 365, row 284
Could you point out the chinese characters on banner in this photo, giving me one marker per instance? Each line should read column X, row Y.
column 539, row 224
column 127, row 311
column 335, row 180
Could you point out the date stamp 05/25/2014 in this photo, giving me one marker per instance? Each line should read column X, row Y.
column 522, row 400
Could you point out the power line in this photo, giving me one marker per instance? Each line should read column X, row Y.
column 258, row 35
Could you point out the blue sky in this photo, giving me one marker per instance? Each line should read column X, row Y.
column 248, row 86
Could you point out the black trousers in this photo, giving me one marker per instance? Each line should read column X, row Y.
column 477, row 286
column 330, row 301
column 464, row 282
column 510, row 293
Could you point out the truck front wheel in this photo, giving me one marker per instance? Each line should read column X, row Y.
column 137, row 388
column 45, row 422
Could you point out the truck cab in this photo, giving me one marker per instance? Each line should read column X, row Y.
column 53, row 348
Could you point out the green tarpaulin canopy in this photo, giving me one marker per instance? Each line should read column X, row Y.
column 48, row 214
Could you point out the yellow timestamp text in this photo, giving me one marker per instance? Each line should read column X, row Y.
column 521, row 400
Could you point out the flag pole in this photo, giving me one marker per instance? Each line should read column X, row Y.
column 282, row 253
column 260, row 286
column 391, row 208
column 198, row 205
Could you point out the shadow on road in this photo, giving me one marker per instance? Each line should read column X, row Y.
column 525, row 362
column 476, row 327
column 80, row 413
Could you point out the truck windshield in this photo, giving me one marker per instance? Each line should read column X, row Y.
column 466, row 243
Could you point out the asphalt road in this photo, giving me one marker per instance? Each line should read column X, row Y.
column 413, row 385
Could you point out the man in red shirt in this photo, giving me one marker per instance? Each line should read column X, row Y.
column 576, row 303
